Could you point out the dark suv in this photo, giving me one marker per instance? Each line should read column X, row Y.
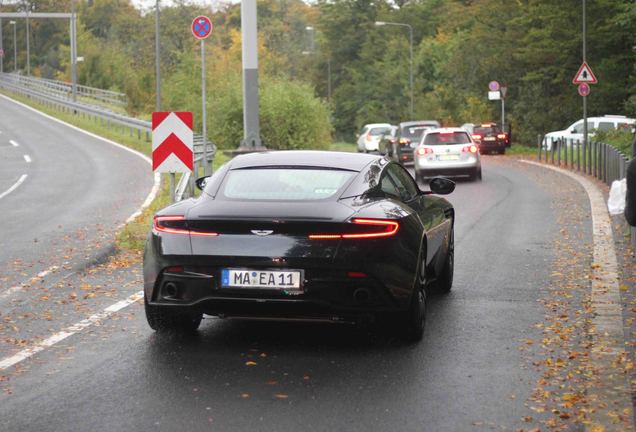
column 400, row 148
column 490, row 138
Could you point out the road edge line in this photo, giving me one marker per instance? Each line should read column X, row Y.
column 15, row 185
column 608, row 338
column 69, row 331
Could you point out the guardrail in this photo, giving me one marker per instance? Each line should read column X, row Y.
column 64, row 90
column 37, row 89
column 596, row 159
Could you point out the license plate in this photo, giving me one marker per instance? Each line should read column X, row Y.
column 490, row 139
column 448, row 157
column 272, row 279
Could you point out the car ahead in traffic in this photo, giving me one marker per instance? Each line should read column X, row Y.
column 370, row 136
column 490, row 138
column 574, row 133
column 301, row 235
column 408, row 137
column 449, row 152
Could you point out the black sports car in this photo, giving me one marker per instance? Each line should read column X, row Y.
column 305, row 235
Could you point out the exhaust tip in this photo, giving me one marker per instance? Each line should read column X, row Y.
column 171, row 289
column 361, row 295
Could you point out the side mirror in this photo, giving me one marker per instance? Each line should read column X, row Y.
column 442, row 186
column 201, row 182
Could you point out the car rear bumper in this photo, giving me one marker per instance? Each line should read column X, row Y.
column 325, row 294
column 492, row 145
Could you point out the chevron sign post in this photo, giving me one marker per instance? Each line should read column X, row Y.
column 172, row 142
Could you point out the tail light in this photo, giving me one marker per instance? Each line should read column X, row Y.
column 369, row 137
column 366, row 228
column 405, row 141
column 177, row 225
column 424, row 151
column 470, row 149
column 393, row 140
column 501, row 136
column 476, row 136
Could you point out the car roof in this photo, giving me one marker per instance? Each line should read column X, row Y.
column 305, row 158
column 371, row 125
column 419, row 122
column 444, row 130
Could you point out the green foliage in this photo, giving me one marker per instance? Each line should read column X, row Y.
column 621, row 139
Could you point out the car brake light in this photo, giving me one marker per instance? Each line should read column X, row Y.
column 470, row 149
column 501, row 136
column 353, row 274
column 485, row 125
column 177, row 225
column 377, row 228
column 424, row 151
column 476, row 136
column 405, row 141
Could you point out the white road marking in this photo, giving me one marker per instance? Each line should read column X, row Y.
column 606, row 334
column 14, row 144
column 69, row 331
column 41, row 275
column 27, row 158
column 14, row 187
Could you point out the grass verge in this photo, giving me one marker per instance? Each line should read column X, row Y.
column 133, row 236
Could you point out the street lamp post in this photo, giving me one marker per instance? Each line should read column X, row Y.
column 157, row 61
column 383, row 23
column 15, row 48
column 28, row 49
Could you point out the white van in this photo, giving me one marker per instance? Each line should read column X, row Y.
column 574, row 133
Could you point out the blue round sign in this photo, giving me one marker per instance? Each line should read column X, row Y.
column 201, row 27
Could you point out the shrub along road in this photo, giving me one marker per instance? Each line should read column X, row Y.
column 505, row 349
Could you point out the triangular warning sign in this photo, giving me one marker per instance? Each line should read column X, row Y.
column 584, row 75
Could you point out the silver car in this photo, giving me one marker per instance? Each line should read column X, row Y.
column 448, row 152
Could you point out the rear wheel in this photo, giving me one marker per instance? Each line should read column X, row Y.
column 415, row 318
column 161, row 318
column 476, row 174
column 445, row 281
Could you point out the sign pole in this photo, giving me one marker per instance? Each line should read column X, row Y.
column 584, row 98
column 206, row 167
column 251, row 126
column 1, row 50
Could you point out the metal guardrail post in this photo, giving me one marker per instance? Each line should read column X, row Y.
column 559, row 152
column 565, row 154
column 539, row 145
column 578, row 155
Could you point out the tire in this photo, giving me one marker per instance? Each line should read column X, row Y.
column 415, row 319
column 167, row 319
column 444, row 282
column 476, row 175
column 502, row 151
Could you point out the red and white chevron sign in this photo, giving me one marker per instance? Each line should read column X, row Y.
column 172, row 142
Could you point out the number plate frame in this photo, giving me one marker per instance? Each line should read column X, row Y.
column 235, row 278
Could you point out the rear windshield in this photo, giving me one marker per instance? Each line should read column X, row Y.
column 447, row 138
column 486, row 130
column 414, row 132
column 380, row 131
column 295, row 184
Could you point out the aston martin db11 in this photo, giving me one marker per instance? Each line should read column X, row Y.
column 301, row 235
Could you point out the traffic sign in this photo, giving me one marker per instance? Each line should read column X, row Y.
column 503, row 89
column 584, row 75
column 172, row 142
column 493, row 86
column 584, row 89
column 494, row 95
column 201, row 27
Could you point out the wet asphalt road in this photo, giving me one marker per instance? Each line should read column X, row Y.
column 467, row 374
column 75, row 191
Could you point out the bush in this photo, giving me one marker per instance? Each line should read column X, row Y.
column 621, row 139
column 291, row 117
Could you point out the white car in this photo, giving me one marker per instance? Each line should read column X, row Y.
column 574, row 133
column 448, row 152
column 370, row 136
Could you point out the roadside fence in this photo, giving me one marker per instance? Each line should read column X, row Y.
column 596, row 159
column 58, row 95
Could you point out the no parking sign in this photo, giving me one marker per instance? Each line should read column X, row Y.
column 201, row 27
